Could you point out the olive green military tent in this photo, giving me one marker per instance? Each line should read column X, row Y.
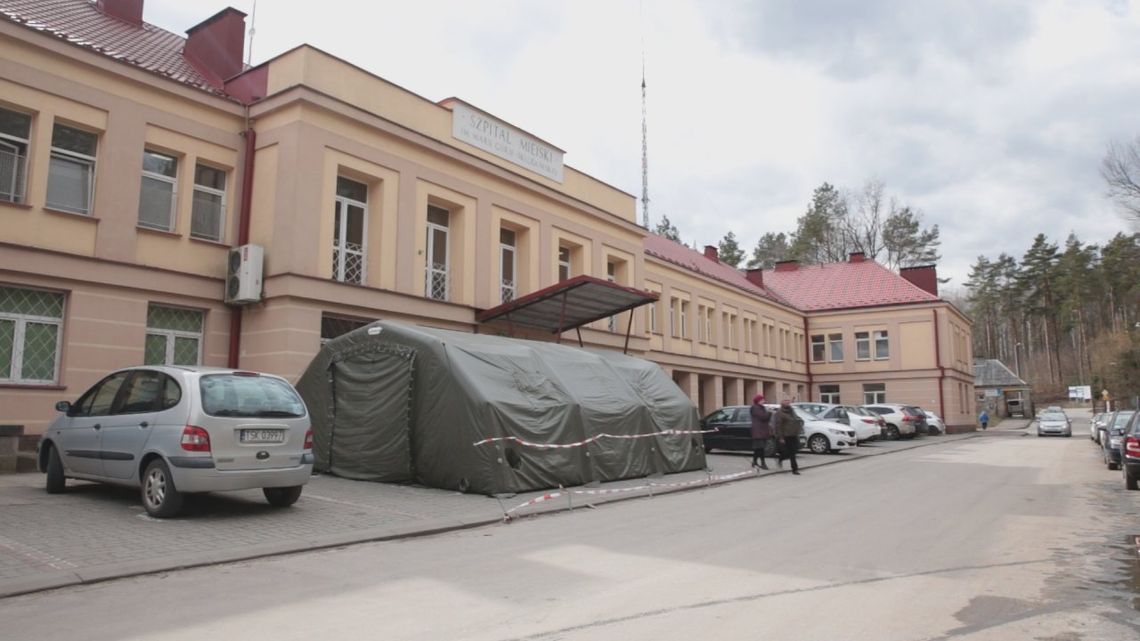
column 399, row 403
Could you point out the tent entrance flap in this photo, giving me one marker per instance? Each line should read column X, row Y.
column 570, row 304
column 370, row 436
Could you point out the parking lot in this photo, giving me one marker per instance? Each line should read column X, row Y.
column 94, row 532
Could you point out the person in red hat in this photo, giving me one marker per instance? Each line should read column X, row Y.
column 761, row 430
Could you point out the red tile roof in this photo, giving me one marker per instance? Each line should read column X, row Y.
column 844, row 286
column 692, row 260
column 80, row 23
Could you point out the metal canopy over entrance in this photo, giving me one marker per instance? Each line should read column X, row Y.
column 570, row 304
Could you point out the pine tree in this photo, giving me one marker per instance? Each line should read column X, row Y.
column 729, row 251
column 667, row 229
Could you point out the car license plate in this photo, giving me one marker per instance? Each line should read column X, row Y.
column 262, row 436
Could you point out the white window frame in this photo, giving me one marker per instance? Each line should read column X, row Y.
column 17, row 364
column 878, row 337
column 77, row 158
column 18, row 148
column 340, row 243
column 430, row 257
column 822, row 345
column 611, row 275
column 172, row 181
column 863, row 345
column 684, row 327
column 565, row 265
column 508, row 290
column 834, row 341
column 213, row 192
column 652, row 317
column 168, row 335
column 874, row 397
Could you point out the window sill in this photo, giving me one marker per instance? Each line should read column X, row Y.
column 207, row 241
column 158, row 232
column 33, row 386
column 70, row 214
column 15, row 205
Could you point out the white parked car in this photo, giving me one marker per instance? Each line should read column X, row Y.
column 934, row 423
column 868, row 425
column 170, row 431
column 823, row 436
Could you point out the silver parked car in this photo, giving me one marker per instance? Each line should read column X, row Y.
column 171, row 431
column 1054, row 423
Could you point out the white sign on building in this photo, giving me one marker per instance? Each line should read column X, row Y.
column 1080, row 392
column 497, row 137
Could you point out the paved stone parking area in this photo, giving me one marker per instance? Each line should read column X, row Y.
column 94, row 532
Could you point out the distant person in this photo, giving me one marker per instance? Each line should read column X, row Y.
column 984, row 418
column 761, row 430
column 786, row 426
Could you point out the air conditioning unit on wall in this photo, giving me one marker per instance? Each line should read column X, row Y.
column 243, row 274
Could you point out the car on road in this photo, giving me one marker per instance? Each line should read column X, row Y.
column 1095, row 424
column 868, row 425
column 1115, row 427
column 1054, row 423
column 172, row 431
column 902, row 421
column 1130, row 453
column 934, row 423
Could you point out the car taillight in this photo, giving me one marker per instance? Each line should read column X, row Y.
column 907, row 419
column 1132, row 446
column 870, row 420
column 195, row 439
column 309, row 440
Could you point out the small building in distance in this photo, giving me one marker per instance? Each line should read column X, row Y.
column 1001, row 391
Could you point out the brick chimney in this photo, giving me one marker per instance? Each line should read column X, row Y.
column 215, row 45
column 129, row 11
column 924, row 277
column 856, row 257
column 711, row 254
column 755, row 276
column 787, row 265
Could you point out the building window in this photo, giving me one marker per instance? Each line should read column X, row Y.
column 611, row 275
column 874, row 393
column 653, row 317
column 15, row 129
column 350, row 231
column 507, row 264
column 882, row 347
column 862, row 346
column 436, row 285
column 829, row 394
column 563, row 263
column 673, row 309
column 336, row 326
column 818, row 348
column 30, row 330
column 71, row 174
column 729, row 330
column 173, row 336
column 835, row 347
column 158, row 191
column 684, row 324
column 207, row 216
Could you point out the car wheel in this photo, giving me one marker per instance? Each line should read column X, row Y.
column 1130, row 481
column 159, row 496
column 1113, row 466
column 892, row 433
column 56, row 481
column 818, row 444
column 282, row 496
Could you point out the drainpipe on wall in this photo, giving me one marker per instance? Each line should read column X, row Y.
column 243, row 231
column 807, row 358
column 941, row 369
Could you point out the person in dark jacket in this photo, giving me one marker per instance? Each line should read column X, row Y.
column 761, row 430
column 786, row 427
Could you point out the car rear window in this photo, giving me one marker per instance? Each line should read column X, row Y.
column 1052, row 416
column 1122, row 419
column 250, row 396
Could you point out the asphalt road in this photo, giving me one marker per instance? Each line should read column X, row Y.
column 997, row 537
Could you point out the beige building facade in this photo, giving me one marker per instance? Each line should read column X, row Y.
column 126, row 179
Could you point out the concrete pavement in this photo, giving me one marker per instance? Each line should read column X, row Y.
column 94, row 533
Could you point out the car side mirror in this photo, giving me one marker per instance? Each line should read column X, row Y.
column 63, row 406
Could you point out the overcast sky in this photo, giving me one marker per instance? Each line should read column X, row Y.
column 990, row 117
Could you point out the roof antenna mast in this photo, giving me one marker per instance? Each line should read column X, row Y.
column 252, row 30
column 644, row 134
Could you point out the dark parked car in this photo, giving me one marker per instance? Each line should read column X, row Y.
column 733, row 425
column 1115, row 428
column 1130, row 453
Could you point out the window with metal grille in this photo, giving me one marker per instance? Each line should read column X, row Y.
column 611, row 275
column 158, row 191
column 71, row 171
column 438, row 223
column 31, row 322
column 874, row 393
column 350, row 231
column 335, row 326
column 508, row 290
column 14, row 132
column 829, row 394
column 563, row 263
column 208, row 214
column 173, row 336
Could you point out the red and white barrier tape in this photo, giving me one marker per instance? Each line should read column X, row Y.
column 509, row 514
column 597, row 437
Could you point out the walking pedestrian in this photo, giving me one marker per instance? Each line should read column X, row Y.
column 984, row 418
column 786, row 427
column 761, row 430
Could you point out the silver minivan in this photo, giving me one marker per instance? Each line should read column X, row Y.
column 172, row 430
